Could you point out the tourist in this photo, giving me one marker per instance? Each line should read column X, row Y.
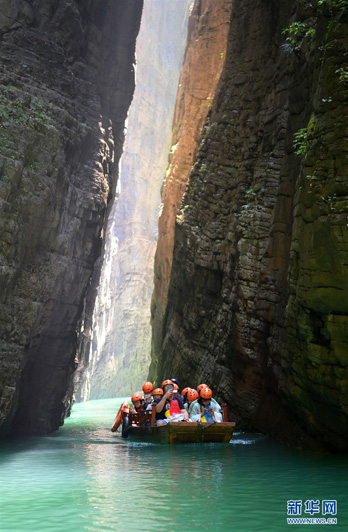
column 138, row 403
column 157, row 394
column 170, row 406
column 194, row 402
column 192, row 396
column 184, row 397
column 176, row 387
column 204, row 409
column 148, row 399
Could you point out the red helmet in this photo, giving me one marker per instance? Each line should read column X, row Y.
column 192, row 395
column 185, row 390
column 137, row 396
column 206, row 393
column 157, row 391
column 165, row 383
column 147, row 387
column 200, row 386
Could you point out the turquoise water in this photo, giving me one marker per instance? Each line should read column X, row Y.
column 86, row 478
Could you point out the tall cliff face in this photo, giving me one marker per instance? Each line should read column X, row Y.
column 257, row 303
column 121, row 338
column 66, row 84
column 204, row 58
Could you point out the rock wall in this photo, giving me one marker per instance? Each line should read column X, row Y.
column 121, row 338
column 66, row 80
column 204, row 58
column 257, row 304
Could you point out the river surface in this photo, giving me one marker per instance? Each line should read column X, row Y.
column 84, row 477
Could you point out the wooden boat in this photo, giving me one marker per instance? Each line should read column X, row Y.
column 142, row 427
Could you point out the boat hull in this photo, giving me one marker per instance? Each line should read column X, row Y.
column 183, row 432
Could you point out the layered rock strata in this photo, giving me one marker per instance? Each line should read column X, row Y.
column 257, row 303
column 67, row 80
column 121, row 338
column 204, row 58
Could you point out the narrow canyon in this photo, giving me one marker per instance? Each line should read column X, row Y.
column 236, row 140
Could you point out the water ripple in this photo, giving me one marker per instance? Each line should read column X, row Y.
column 85, row 478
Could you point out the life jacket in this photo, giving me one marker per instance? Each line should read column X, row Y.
column 174, row 408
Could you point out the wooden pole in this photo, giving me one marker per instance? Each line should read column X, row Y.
column 224, row 412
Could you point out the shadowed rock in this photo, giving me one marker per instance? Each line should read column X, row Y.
column 257, row 302
column 67, row 80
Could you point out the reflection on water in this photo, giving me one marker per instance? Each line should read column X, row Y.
column 86, row 478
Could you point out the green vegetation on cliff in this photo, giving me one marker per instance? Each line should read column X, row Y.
column 258, row 298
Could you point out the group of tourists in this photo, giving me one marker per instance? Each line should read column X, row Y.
column 171, row 405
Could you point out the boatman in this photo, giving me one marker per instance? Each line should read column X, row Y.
column 170, row 407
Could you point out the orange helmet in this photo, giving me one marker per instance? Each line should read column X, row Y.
column 192, row 395
column 176, row 387
column 147, row 387
column 184, row 391
column 206, row 393
column 201, row 386
column 137, row 396
column 165, row 383
column 157, row 391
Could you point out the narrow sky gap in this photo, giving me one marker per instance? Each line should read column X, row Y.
column 121, row 342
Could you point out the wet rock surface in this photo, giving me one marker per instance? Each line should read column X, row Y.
column 66, row 81
column 257, row 303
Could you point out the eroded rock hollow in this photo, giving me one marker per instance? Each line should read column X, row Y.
column 67, row 79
